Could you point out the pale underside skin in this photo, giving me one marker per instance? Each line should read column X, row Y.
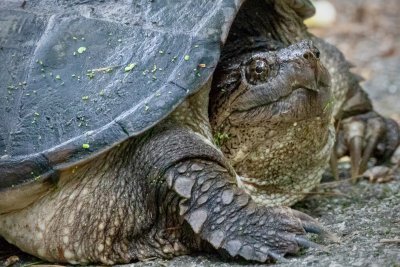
column 292, row 172
column 94, row 216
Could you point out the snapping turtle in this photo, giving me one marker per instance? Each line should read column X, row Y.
column 106, row 132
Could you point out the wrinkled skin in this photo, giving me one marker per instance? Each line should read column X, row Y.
column 171, row 191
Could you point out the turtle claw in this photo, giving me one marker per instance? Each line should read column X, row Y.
column 286, row 235
column 379, row 174
column 354, row 132
column 227, row 218
column 310, row 225
column 305, row 243
column 333, row 163
column 277, row 257
column 313, row 228
column 375, row 129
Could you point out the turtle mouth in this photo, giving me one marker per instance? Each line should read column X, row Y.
column 318, row 78
column 302, row 103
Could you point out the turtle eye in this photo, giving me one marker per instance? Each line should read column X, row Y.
column 257, row 71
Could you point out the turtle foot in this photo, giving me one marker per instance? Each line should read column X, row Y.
column 269, row 234
column 367, row 136
column 227, row 218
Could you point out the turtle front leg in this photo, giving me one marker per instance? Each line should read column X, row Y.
column 363, row 133
column 227, row 218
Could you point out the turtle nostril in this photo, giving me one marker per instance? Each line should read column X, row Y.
column 317, row 53
column 308, row 55
column 313, row 54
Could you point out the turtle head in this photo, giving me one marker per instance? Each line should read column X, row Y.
column 282, row 86
column 271, row 113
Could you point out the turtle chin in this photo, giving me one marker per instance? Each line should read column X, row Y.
column 283, row 168
column 280, row 150
column 280, row 165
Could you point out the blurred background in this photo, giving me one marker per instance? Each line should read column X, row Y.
column 368, row 33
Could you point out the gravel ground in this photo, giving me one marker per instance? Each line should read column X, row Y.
column 365, row 216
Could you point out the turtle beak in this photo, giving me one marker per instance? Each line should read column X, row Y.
column 309, row 72
column 322, row 78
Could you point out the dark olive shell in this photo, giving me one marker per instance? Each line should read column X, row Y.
column 79, row 76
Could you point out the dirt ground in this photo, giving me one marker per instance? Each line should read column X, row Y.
column 365, row 216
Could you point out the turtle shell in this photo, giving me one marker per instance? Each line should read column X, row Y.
column 78, row 77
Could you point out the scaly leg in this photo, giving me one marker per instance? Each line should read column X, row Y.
column 227, row 218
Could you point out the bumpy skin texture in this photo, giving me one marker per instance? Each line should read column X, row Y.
column 115, row 209
column 227, row 217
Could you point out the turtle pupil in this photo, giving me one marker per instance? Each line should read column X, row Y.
column 257, row 71
column 260, row 65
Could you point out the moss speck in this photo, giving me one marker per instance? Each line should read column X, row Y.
column 81, row 49
column 90, row 74
column 85, row 146
column 130, row 67
column 220, row 138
